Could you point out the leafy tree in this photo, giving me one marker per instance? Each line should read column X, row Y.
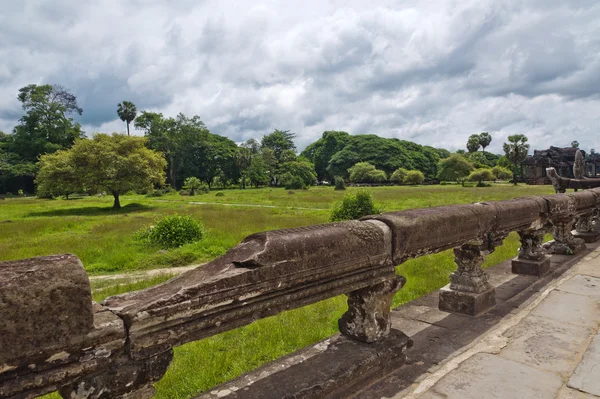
column 279, row 141
column 300, row 169
column 243, row 160
column 211, row 157
column 501, row 173
column 414, row 177
column 484, row 140
column 454, row 168
column 321, row 151
column 575, row 144
column 482, row 159
column 339, row 183
column 116, row 163
column 192, row 183
column 473, row 143
column 127, row 112
column 364, row 172
column 258, row 172
column 516, row 151
column 57, row 176
column 399, row 176
column 481, row 175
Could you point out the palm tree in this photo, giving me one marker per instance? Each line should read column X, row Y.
column 127, row 112
column 516, row 151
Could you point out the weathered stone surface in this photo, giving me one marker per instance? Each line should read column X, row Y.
column 570, row 308
column 561, row 184
column 368, row 315
column 582, row 285
column 538, row 268
column 586, row 377
column 125, row 379
column 468, row 303
column 335, row 372
column 485, row 376
column 45, row 307
column 264, row 275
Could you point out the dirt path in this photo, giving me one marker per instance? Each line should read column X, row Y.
column 140, row 275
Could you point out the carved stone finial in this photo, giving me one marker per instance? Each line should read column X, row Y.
column 579, row 165
column 554, row 178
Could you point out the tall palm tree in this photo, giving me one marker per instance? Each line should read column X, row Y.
column 516, row 151
column 127, row 112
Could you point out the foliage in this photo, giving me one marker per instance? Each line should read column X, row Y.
column 354, row 206
column 127, row 112
column 501, row 173
column 173, row 231
column 192, row 184
column 484, row 140
column 473, row 143
column 295, row 183
column 301, row 170
column 220, row 194
column 57, row 176
column 399, row 176
column 516, row 151
column 339, row 183
column 575, row 144
column 414, row 177
column 364, row 172
column 454, row 168
column 321, row 151
column 482, row 159
column 279, row 141
column 117, row 164
column 481, row 175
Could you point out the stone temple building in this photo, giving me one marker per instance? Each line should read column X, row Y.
column 561, row 159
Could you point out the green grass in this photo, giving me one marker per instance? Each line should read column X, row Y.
column 103, row 239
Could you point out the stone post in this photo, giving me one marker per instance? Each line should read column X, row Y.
column 368, row 315
column 564, row 241
column 532, row 259
column 132, row 379
column 585, row 228
column 469, row 291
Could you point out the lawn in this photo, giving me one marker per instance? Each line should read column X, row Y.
column 103, row 239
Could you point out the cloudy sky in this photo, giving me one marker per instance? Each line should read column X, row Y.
column 433, row 72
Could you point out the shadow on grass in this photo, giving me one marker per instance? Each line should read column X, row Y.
column 92, row 211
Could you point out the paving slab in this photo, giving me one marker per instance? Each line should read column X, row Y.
column 568, row 393
column 582, row 285
column 586, row 377
column 547, row 344
column 485, row 376
column 570, row 308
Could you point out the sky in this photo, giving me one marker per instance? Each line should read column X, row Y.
column 433, row 72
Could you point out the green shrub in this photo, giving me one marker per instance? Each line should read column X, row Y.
column 192, row 183
column 364, row 172
column 204, row 189
column 414, row 177
column 154, row 193
column 501, row 173
column 295, row 183
column 354, row 206
column 339, row 183
column 172, row 231
column 481, row 175
column 399, row 176
column 220, row 194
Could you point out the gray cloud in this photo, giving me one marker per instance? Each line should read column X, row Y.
column 429, row 71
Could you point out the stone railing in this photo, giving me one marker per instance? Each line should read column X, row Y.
column 53, row 337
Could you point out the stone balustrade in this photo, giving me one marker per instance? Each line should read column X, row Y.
column 53, row 337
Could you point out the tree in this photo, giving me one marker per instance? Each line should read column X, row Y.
column 321, row 151
column 192, row 183
column 484, row 140
column 575, row 144
column 516, row 151
column 454, row 168
column 243, row 160
column 127, row 112
column 473, row 143
column 399, row 176
column 116, row 164
column 364, row 172
column 57, row 176
column 481, row 175
column 414, row 177
column 279, row 141
column 300, row 169
column 501, row 173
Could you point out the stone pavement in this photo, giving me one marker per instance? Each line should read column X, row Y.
column 549, row 349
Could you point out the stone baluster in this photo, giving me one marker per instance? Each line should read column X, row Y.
column 585, row 227
column 532, row 259
column 131, row 379
column 565, row 243
column 368, row 315
column 469, row 291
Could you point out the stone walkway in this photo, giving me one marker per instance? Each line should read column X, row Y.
column 552, row 349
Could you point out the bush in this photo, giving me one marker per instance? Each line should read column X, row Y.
column 220, row 194
column 414, row 177
column 354, row 206
column 295, row 183
column 501, row 173
column 173, row 231
column 154, row 193
column 364, row 172
column 339, row 183
column 480, row 175
column 291, row 192
column 192, row 184
column 399, row 176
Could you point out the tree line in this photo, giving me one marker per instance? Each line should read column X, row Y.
column 48, row 152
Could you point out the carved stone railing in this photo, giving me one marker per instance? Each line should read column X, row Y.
column 53, row 337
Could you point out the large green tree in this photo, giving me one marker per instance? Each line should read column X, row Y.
column 516, row 151
column 127, row 112
column 116, row 164
column 473, row 143
column 454, row 168
column 484, row 140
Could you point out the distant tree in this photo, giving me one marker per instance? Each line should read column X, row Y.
column 516, row 151
column 399, row 176
column 321, row 151
column 414, row 177
column 192, row 183
column 454, row 168
column 473, row 143
column 243, row 160
column 575, row 144
column 501, row 173
column 484, row 140
column 116, row 164
column 481, row 175
column 300, row 169
column 57, row 176
column 127, row 112
column 258, row 172
column 279, row 141
column 364, row 172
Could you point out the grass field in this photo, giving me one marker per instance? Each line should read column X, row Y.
column 103, row 239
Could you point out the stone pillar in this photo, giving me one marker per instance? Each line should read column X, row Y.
column 131, row 379
column 532, row 259
column 368, row 315
column 585, row 228
column 469, row 291
column 564, row 241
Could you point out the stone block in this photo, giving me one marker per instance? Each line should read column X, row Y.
column 570, row 308
column 468, row 303
column 537, row 268
column 586, row 377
